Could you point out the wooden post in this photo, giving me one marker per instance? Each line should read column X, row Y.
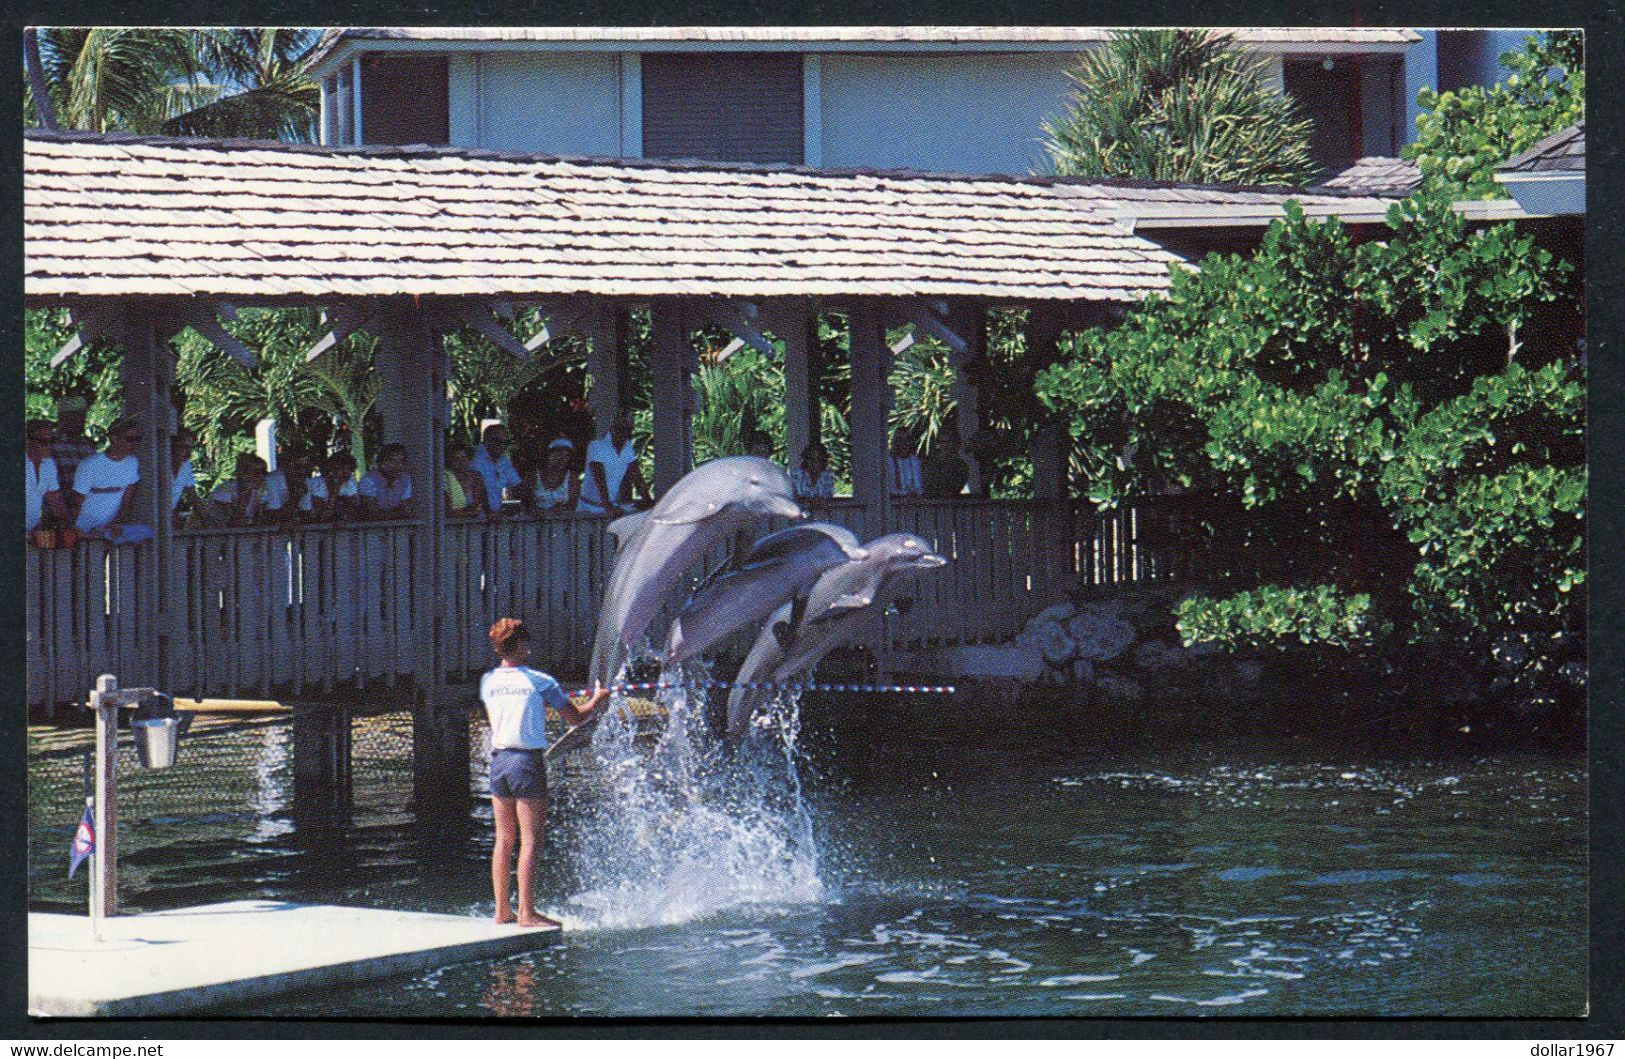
column 606, row 361
column 321, row 762
column 871, row 365
column 145, row 371
column 670, row 363
column 969, row 321
column 1050, row 446
column 794, row 323
column 104, row 858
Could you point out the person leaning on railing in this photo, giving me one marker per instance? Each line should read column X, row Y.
column 334, row 493
column 47, row 512
column 465, row 489
column 386, row 490
column 183, row 501
column 105, row 483
column 556, row 485
column 241, row 500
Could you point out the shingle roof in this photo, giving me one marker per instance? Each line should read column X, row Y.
column 1377, row 175
column 112, row 215
column 1012, row 36
column 1561, row 152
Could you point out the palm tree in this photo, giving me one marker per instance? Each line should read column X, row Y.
column 249, row 83
column 1183, row 105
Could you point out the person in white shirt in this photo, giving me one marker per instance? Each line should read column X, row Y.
column 516, row 699
column 558, row 486
column 386, row 490
column 243, row 500
column 494, row 464
column 42, row 489
column 183, row 487
column 812, row 479
column 613, row 477
column 106, row 482
column 904, row 477
column 334, row 493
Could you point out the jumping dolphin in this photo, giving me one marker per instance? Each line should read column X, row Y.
column 833, row 611
column 777, row 568
column 706, row 507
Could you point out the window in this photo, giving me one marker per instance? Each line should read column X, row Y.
column 727, row 108
column 1331, row 99
column 404, row 99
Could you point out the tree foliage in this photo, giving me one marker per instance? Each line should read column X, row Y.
column 1185, row 105
column 1373, row 420
column 1466, row 132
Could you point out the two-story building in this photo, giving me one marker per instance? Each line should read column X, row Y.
column 936, row 99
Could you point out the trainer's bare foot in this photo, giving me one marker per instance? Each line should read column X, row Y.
column 504, row 918
column 536, row 919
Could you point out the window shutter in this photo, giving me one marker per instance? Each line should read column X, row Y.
column 725, row 108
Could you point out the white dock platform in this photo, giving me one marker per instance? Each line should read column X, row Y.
column 188, row 959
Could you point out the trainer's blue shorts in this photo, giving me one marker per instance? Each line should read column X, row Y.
column 518, row 773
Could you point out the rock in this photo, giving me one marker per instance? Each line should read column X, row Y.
column 1120, row 689
column 1057, row 647
column 1099, row 637
column 1018, row 662
column 1083, row 671
column 1058, row 613
column 1161, row 657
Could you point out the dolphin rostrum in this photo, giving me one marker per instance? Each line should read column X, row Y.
column 800, row 633
column 706, row 507
column 777, row 568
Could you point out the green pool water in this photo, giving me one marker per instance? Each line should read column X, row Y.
column 956, row 874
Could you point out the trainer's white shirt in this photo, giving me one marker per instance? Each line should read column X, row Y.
column 102, row 480
column 516, row 700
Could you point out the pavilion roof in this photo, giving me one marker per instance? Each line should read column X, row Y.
column 115, row 215
column 1563, row 151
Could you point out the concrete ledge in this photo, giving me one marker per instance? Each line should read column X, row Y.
column 210, row 956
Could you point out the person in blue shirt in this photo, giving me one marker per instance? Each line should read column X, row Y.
column 516, row 698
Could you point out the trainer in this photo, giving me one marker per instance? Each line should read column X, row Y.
column 516, row 698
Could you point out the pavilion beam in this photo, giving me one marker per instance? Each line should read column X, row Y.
column 969, row 320
column 478, row 316
column 204, row 320
column 145, row 372
column 1050, row 479
column 871, row 403
column 605, row 325
column 90, row 322
column 342, row 323
column 739, row 319
column 412, row 359
column 671, row 365
column 794, row 321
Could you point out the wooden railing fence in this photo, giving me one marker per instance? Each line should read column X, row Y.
column 262, row 612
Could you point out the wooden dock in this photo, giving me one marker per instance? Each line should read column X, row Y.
column 241, row 952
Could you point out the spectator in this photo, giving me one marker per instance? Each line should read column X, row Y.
column 386, row 490
column 813, row 480
column 945, row 473
column 465, row 490
column 42, row 489
column 333, row 493
column 558, row 487
column 71, row 447
column 244, row 499
column 904, row 476
column 492, row 462
column 613, row 476
column 105, row 484
column 289, row 490
column 183, row 488
column 759, row 444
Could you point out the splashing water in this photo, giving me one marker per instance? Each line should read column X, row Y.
column 690, row 826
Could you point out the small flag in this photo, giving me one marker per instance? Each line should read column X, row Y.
column 84, row 842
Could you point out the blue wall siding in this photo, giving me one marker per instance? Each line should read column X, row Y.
column 951, row 113
column 539, row 102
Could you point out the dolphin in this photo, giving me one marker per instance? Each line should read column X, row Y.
column 707, row 506
column 777, row 568
column 802, row 632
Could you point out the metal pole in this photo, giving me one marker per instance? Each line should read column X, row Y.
column 104, row 858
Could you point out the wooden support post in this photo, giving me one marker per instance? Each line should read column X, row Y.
column 1051, row 445
column 871, row 402
column 969, row 320
column 606, row 361
column 794, row 323
column 104, row 859
column 671, row 363
column 321, row 762
column 146, row 370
